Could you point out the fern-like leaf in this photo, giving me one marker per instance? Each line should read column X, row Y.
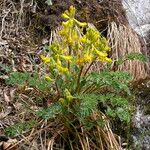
column 50, row 112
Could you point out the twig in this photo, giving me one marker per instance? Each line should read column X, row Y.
column 3, row 22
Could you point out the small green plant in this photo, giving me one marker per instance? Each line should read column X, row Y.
column 28, row 79
column 19, row 128
column 131, row 56
column 4, row 69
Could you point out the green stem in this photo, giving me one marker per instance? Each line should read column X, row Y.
column 69, row 55
column 88, row 88
column 78, row 80
column 57, row 87
column 93, row 89
column 88, row 68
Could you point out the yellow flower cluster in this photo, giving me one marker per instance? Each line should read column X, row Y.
column 69, row 31
column 94, row 47
column 67, row 97
column 76, row 48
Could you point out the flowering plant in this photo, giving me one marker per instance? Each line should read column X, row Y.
column 70, row 59
column 74, row 97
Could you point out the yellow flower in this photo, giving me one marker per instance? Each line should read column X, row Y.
column 92, row 34
column 108, row 60
column 105, row 59
column 104, row 41
column 101, row 54
column 70, row 41
column 72, row 10
column 69, row 14
column 81, row 24
column 62, row 70
column 68, row 95
column 61, row 100
column 102, row 59
column 88, row 58
column 107, row 48
column 64, row 15
column 46, row 59
column 75, row 36
column 58, row 60
column 48, row 78
column 68, row 24
column 85, row 40
column 67, row 58
column 65, row 24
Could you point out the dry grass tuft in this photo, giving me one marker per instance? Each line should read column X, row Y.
column 53, row 135
column 123, row 40
column 11, row 19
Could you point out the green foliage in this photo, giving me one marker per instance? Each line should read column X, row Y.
column 114, row 99
column 19, row 128
column 51, row 112
column 136, row 56
column 116, row 81
column 18, row 78
column 4, row 68
column 131, row 56
column 75, row 93
column 116, row 94
column 87, row 105
column 112, row 102
column 28, row 79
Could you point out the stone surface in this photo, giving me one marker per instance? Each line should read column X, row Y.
column 141, row 119
column 138, row 13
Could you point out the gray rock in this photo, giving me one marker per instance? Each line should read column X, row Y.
column 138, row 13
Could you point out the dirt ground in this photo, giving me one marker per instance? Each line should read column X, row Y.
column 94, row 11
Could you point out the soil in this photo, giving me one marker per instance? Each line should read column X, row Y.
column 100, row 13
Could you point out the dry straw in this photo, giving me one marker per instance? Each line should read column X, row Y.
column 123, row 40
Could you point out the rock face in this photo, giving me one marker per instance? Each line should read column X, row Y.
column 141, row 119
column 138, row 13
